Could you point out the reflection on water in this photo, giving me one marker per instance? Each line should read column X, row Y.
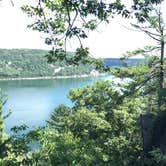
column 31, row 101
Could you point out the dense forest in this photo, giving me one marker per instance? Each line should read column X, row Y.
column 33, row 63
column 109, row 124
column 20, row 63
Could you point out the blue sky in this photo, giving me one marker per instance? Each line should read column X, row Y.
column 109, row 41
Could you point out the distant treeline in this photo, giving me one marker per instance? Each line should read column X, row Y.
column 33, row 63
column 118, row 62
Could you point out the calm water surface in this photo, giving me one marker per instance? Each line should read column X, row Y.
column 32, row 101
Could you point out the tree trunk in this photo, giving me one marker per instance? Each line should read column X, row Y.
column 161, row 66
column 161, row 74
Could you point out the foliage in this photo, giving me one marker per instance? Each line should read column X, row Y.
column 149, row 77
column 96, row 131
column 158, row 157
column 32, row 63
column 154, row 27
column 102, row 128
column 67, row 20
column 4, row 139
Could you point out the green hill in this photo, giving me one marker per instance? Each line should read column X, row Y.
column 16, row 63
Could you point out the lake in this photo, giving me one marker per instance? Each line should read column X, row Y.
column 32, row 101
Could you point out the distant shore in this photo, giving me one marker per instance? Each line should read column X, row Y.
column 53, row 77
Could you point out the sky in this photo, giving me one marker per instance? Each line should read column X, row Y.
column 108, row 41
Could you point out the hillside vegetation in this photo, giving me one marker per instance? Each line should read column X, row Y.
column 33, row 63
column 15, row 63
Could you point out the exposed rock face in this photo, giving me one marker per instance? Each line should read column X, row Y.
column 146, row 126
column 153, row 131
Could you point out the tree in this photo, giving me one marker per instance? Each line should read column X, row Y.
column 4, row 139
column 154, row 27
column 98, row 130
column 67, row 19
column 102, row 126
column 149, row 76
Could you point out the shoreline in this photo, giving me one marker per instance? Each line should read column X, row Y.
column 52, row 77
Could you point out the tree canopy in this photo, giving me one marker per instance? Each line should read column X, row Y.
column 64, row 20
column 103, row 125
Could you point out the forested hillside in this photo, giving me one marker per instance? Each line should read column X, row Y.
column 107, row 125
column 33, row 63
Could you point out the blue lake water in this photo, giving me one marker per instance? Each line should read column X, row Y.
column 32, row 101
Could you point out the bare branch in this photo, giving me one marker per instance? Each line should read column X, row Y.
column 150, row 34
column 12, row 2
